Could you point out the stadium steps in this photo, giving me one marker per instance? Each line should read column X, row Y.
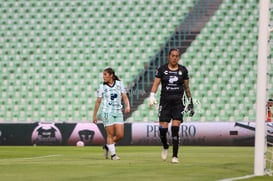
column 190, row 27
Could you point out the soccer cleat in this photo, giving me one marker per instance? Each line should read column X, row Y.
column 106, row 151
column 175, row 160
column 164, row 154
column 115, row 157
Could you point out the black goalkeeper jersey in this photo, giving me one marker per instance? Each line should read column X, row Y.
column 172, row 81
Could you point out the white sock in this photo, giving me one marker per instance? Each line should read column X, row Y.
column 112, row 148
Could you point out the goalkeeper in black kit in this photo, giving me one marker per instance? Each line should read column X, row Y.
column 174, row 80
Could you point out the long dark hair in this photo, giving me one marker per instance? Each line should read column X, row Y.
column 110, row 71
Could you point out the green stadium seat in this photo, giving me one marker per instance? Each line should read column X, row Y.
column 216, row 52
column 78, row 39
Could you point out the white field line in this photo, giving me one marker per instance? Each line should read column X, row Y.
column 237, row 178
column 28, row 158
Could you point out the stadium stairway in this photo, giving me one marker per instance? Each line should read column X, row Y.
column 181, row 38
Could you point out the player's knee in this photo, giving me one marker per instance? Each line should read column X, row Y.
column 163, row 131
column 118, row 137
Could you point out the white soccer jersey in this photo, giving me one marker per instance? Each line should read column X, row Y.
column 111, row 96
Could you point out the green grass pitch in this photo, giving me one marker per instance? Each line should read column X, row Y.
column 139, row 163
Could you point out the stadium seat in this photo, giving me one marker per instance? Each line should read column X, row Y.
column 52, row 53
column 219, row 58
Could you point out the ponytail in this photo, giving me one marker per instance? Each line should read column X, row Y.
column 115, row 77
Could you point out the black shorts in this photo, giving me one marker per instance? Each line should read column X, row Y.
column 171, row 109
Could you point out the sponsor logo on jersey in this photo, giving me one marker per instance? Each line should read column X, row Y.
column 180, row 72
column 173, row 79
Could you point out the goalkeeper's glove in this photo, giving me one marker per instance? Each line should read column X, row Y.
column 152, row 99
column 190, row 108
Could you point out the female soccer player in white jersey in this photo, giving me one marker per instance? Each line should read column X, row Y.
column 174, row 81
column 110, row 94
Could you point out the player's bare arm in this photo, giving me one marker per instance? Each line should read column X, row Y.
column 187, row 88
column 96, row 108
column 126, row 101
column 155, row 85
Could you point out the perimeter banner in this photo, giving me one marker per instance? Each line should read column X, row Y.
column 191, row 133
column 50, row 134
column 56, row 134
column 198, row 133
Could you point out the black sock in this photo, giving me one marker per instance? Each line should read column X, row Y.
column 105, row 147
column 175, row 140
column 163, row 137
